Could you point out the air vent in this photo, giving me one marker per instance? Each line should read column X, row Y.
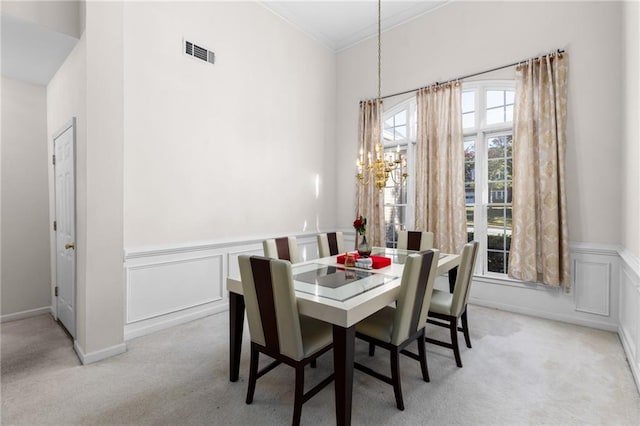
column 199, row 52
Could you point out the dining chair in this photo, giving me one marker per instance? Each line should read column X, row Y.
column 415, row 240
column 284, row 248
column 277, row 329
column 330, row 244
column 447, row 307
column 395, row 327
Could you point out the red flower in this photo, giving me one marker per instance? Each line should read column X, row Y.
column 360, row 224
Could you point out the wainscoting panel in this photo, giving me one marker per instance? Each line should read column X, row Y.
column 160, row 288
column 629, row 329
column 593, row 291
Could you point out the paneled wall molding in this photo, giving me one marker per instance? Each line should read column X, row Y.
column 629, row 316
column 173, row 284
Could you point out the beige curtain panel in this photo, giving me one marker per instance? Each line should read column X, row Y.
column 440, row 196
column 539, row 244
column 370, row 199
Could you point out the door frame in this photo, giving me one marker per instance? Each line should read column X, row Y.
column 52, row 212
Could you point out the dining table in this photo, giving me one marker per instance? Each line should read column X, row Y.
column 339, row 295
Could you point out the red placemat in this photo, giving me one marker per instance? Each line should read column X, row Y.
column 378, row 261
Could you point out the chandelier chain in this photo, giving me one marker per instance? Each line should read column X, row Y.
column 379, row 49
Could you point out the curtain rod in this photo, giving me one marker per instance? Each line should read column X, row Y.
column 559, row 51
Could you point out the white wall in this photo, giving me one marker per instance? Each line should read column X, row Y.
column 217, row 157
column 631, row 135
column 25, row 275
column 466, row 37
column 230, row 150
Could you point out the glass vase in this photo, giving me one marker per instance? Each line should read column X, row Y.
column 364, row 249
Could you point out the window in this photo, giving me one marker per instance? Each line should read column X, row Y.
column 398, row 141
column 487, row 120
column 487, row 116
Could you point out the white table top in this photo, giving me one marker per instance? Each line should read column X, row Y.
column 346, row 313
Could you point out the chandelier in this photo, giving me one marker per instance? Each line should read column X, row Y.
column 392, row 166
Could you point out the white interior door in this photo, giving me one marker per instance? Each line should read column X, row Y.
column 64, row 171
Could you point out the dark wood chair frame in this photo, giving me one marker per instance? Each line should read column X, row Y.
column 394, row 351
column 300, row 396
column 451, row 323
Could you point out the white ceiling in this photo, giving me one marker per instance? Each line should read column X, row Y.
column 33, row 53
column 340, row 24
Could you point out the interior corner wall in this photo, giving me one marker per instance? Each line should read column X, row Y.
column 466, row 37
column 631, row 140
column 241, row 148
column 26, row 278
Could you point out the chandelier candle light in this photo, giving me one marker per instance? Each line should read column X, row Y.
column 394, row 166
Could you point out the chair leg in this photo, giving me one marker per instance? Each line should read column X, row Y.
column 465, row 328
column 253, row 374
column 422, row 354
column 453, row 327
column 299, row 394
column 372, row 349
column 395, row 377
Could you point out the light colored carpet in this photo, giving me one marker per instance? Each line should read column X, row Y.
column 521, row 370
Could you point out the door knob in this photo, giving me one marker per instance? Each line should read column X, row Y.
column 70, row 246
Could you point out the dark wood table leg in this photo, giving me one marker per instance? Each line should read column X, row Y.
column 343, row 352
column 236, row 323
column 453, row 275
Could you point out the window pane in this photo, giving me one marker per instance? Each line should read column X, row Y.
column 495, row 98
column 388, row 122
column 468, row 101
column 469, row 150
column 495, row 219
column 401, row 118
column 495, row 115
column 468, row 120
column 469, row 171
column 388, row 134
column 497, row 192
column 495, row 240
column 496, row 170
column 509, row 96
column 470, row 193
column 496, row 147
column 509, row 113
column 509, row 193
column 401, row 132
column 470, row 229
column 496, row 261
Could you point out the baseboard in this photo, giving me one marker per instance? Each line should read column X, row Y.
column 88, row 358
column 141, row 328
column 26, row 314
